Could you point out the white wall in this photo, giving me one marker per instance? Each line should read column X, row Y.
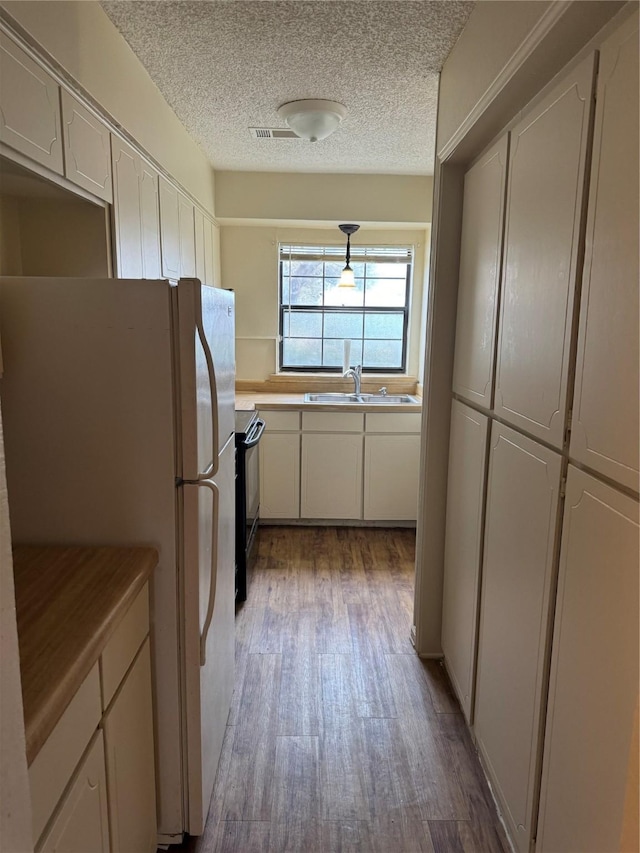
column 250, row 268
column 313, row 198
column 82, row 40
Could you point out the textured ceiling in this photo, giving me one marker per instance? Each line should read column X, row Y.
column 226, row 65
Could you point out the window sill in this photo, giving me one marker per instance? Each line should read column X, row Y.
column 302, row 382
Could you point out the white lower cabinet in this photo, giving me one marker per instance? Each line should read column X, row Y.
column 463, row 548
column 280, row 475
column 81, row 825
column 128, row 730
column 590, row 761
column 331, row 482
column 517, row 583
column 391, row 476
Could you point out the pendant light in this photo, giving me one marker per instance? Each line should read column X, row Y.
column 346, row 278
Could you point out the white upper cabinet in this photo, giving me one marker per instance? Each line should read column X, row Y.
column 199, row 223
column 211, row 253
column 463, row 543
column 605, row 411
column 87, row 150
column 517, row 582
column 149, row 220
column 479, row 280
column 29, row 107
column 127, row 217
column 541, row 256
column 169, row 229
column 187, row 237
column 589, row 752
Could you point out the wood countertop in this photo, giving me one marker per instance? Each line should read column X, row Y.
column 247, row 401
column 69, row 600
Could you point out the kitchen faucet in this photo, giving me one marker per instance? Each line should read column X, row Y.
column 354, row 373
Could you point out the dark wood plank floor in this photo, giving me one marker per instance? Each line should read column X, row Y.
column 340, row 739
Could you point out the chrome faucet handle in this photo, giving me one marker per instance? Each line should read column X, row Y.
column 383, row 391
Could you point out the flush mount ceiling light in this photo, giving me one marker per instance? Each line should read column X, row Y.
column 346, row 278
column 313, row 119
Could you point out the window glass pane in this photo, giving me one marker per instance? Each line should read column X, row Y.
column 383, row 354
column 385, row 292
column 303, row 324
column 341, row 325
column 306, row 268
column 384, row 326
column 302, row 352
column 348, row 296
column 306, row 291
column 333, row 352
column 378, row 270
column 332, row 269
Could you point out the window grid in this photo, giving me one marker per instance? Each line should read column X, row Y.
column 365, row 256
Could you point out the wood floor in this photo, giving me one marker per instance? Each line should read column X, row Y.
column 340, row 739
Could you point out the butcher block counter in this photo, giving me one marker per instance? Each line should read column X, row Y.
column 69, row 602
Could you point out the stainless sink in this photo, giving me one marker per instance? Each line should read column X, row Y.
column 389, row 399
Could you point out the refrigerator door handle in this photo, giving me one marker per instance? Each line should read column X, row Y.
column 212, row 470
column 214, row 571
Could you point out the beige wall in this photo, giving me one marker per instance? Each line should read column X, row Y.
column 81, row 38
column 311, row 198
column 250, row 268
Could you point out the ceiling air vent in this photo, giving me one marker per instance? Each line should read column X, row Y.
column 272, row 133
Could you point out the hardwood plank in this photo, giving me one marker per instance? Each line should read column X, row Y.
column 374, row 694
column 249, row 783
column 464, row 837
column 442, row 695
column 298, row 711
column 296, row 779
column 243, row 837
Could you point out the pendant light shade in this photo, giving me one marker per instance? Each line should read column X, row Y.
column 313, row 119
column 347, row 278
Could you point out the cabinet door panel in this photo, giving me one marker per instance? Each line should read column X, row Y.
column 82, row 824
column 169, row 229
column 150, row 221
column 211, row 253
column 280, row 475
column 199, row 222
column 479, row 279
column 594, row 672
column 126, row 213
column 391, row 475
column 517, row 579
column 128, row 731
column 29, row 107
column 542, row 237
column 463, row 548
column 87, row 151
column 331, row 482
column 187, row 237
column 605, row 411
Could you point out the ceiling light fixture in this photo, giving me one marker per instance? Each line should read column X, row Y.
column 346, row 278
column 312, row 119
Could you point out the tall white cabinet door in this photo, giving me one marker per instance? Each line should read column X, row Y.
column 29, row 107
column 212, row 253
column 331, row 481
column 594, row 673
column 169, row 229
column 87, row 150
column 126, row 213
column 199, row 226
column 605, row 411
column 150, row 220
column 541, row 257
column 479, row 279
column 82, row 824
column 128, row 730
column 187, row 237
column 279, row 457
column 517, row 580
column 463, row 548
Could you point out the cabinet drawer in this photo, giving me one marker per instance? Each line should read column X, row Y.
column 332, row 421
column 393, row 421
column 53, row 766
column 82, row 822
column 123, row 645
column 281, row 421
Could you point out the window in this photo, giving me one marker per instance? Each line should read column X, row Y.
column 316, row 315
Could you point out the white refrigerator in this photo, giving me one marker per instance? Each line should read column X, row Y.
column 118, row 412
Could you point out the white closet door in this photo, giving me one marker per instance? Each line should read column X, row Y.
column 463, row 543
column 544, row 210
column 593, row 696
column 479, row 279
column 605, row 411
column 517, row 581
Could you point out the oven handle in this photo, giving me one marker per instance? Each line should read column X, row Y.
column 255, row 435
